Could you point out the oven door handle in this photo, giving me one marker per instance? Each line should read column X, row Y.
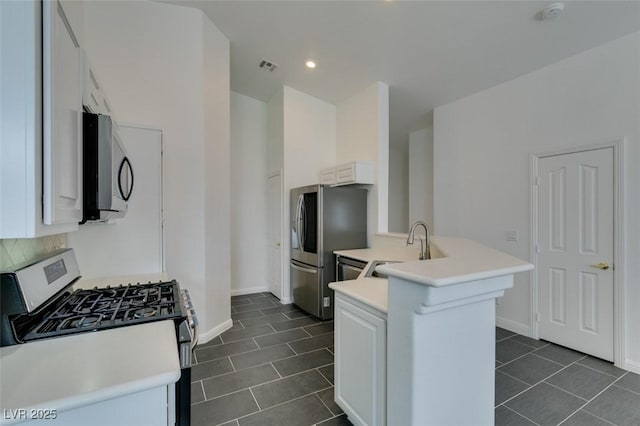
column 194, row 327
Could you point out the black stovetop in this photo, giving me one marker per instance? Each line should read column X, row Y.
column 102, row 308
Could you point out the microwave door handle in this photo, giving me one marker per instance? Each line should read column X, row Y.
column 127, row 195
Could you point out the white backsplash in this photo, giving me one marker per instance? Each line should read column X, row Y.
column 16, row 251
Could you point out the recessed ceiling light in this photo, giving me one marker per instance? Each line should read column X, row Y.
column 310, row 64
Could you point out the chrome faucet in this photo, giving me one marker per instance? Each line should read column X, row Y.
column 425, row 253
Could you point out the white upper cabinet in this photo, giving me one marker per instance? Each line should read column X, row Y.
column 62, row 118
column 93, row 96
column 29, row 98
column 355, row 172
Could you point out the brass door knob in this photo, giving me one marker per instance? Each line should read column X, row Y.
column 602, row 265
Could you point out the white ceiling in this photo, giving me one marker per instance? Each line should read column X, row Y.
column 429, row 52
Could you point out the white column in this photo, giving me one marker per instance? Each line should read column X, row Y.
column 441, row 352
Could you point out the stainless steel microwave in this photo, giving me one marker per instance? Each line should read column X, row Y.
column 107, row 171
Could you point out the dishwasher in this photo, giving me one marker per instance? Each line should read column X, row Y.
column 348, row 268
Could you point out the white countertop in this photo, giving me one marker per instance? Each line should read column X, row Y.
column 370, row 291
column 457, row 260
column 383, row 253
column 463, row 261
column 70, row 372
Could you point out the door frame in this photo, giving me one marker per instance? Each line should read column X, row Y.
column 619, row 241
column 282, row 263
column 162, row 186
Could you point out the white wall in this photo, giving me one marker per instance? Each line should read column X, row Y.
column 482, row 148
column 309, row 145
column 152, row 59
column 249, row 208
column 217, row 176
column 398, row 190
column 421, row 176
column 275, row 133
column 363, row 134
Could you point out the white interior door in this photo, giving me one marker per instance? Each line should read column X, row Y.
column 133, row 245
column 576, row 251
column 275, row 235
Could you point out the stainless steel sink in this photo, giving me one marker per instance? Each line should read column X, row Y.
column 372, row 273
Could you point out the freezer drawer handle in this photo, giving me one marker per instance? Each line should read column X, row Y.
column 311, row 271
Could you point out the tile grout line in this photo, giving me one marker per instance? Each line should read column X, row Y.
column 325, row 405
column 330, row 418
column 572, row 362
column 252, row 337
column 254, row 398
column 245, row 352
column 267, row 382
column 325, row 377
column 532, row 353
column 598, row 371
column 583, row 406
column 521, row 415
column 589, row 413
column 274, row 367
column 293, row 350
column 515, row 378
column 203, row 393
column 564, row 390
column 232, row 366
column 622, row 387
column 534, row 385
column 288, row 401
column 515, row 359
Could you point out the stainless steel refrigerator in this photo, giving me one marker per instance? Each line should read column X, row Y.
column 323, row 219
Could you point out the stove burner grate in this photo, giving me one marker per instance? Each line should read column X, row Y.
column 102, row 308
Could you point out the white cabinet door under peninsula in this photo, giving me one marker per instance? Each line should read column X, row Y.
column 360, row 361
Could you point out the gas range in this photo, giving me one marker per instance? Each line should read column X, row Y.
column 103, row 308
column 39, row 301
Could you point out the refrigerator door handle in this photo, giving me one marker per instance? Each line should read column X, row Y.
column 298, row 220
column 303, row 220
column 301, row 269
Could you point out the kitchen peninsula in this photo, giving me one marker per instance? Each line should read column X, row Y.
column 430, row 328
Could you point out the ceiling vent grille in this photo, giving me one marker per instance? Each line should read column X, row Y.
column 267, row 65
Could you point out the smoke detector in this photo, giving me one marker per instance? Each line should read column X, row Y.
column 267, row 65
column 551, row 12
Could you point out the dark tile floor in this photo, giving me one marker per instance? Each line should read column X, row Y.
column 275, row 367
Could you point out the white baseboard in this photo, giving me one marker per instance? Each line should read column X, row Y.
column 243, row 291
column 286, row 300
column 515, row 326
column 215, row 331
column 632, row 366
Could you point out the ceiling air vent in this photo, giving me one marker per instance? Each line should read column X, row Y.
column 267, row 65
